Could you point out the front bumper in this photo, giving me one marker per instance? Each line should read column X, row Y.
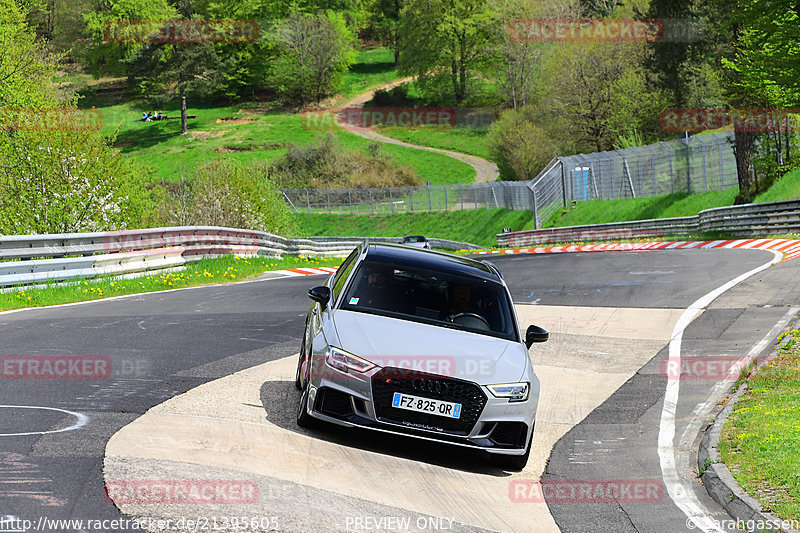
column 487, row 423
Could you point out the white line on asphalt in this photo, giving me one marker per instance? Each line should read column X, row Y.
column 80, row 421
column 702, row 410
column 682, row 495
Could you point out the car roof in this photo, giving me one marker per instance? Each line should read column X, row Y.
column 441, row 261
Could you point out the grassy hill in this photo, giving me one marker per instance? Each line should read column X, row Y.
column 248, row 131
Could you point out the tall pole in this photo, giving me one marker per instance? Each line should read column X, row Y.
column 688, row 169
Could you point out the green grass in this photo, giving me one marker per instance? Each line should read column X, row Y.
column 261, row 132
column 761, row 440
column 204, row 272
column 786, row 188
column 623, row 210
column 466, row 140
column 476, row 226
column 373, row 66
column 255, row 135
column 481, row 226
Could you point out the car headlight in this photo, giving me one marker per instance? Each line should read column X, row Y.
column 515, row 392
column 344, row 362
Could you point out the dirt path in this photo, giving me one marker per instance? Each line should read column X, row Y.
column 485, row 171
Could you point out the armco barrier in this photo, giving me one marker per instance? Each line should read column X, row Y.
column 27, row 259
column 750, row 220
column 138, row 261
column 65, row 268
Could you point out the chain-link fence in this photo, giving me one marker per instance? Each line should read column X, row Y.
column 706, row 163
column 504, row 194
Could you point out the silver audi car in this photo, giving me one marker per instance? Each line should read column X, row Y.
column 420, row 343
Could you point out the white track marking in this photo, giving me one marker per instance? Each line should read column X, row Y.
column 80, row 421
column 684, row 497
column 702, row 410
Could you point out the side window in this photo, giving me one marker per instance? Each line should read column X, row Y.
column 342, row 273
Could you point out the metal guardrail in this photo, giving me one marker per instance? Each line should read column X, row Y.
column 28, row 259
column 753, row 220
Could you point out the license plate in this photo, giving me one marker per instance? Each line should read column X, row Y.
column 426, row 405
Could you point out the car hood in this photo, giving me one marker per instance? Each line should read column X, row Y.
column 432, row 349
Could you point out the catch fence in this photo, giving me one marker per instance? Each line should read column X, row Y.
column 691, row 164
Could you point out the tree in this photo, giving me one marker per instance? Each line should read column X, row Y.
column 767, row 49
column 519, row 147
column 669, row 58
column 64, row 180
column 386, row 23
column 174, row 70
column 25, row 66
column 587, row 92
column 115, row 42
column 599, row 8
column 55, row 176
column 314, row 53
column 447, row 43
column 521, row 59
column 760, row 69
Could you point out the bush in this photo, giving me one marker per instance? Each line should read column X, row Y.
column 324, row 163
column 519, row 147
column 224, row 193
column 68, row 180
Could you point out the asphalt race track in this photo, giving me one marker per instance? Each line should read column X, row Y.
column 195, row 384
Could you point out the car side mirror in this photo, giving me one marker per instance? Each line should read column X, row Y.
column 321, row 295
column 535, row 334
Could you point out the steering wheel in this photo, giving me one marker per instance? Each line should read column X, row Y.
column 472, row 320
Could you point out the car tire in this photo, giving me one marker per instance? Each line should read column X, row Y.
column 305, row 420
column 514, row 462
column 298, row 381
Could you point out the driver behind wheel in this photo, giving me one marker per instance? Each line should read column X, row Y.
column 459, row 301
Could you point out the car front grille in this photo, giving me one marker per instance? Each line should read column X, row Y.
column 390, row 380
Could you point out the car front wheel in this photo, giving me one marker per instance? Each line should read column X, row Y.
column 298, row 376
column 305, row 420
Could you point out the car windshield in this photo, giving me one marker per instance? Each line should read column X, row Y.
column 432, row 297
column 415, row 238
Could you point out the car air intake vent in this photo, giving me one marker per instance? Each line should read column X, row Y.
column 334, row 403
column 509, row 434
column 390, row 380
